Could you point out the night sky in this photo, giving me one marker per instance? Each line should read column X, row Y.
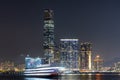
column 95, row 21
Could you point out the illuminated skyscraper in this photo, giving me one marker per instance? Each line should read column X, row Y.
column 98, row 63
column 69, row 53
column 48, row 35
column 85, row 56
column 117, row 66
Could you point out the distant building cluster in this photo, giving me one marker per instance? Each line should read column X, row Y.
column 69, row 52
column 10, row 66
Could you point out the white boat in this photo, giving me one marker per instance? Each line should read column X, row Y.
column 43, row 71
column 35, row 67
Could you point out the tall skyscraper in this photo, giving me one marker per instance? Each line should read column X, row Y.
column 69, row 53
column 48, row 35
column 85, row 56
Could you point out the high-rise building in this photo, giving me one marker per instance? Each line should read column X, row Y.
column 69, row 53
column 48, row 35
column 57, row 54
column 85, row 56
column 98, row 63
column 117, row 66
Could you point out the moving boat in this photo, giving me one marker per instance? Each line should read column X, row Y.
column 43, row 71
column 37, row 67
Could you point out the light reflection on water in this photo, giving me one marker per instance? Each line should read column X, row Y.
column 38, row 79
column 90, row 77
column 82, row 77
column 70, row 77
column 77, row 77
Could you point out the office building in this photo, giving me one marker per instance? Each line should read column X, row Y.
column 117, row 66
column 48, row 35
column 85, row 56
column 98, row 63
column 69, row 53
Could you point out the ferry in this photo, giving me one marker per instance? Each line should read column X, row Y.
column 37, row 67
column 44, row 70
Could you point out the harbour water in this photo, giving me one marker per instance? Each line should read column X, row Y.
column 68, row 77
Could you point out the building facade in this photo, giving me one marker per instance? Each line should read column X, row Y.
column 69, row 53
column 98, row 63
column 48, row 35
column 117, row 66
column 85, row 56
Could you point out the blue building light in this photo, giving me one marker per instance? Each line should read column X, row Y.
column 33, row 62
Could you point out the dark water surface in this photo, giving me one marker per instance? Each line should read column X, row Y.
column 69, row 77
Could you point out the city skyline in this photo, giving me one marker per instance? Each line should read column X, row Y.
column 21, row 27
